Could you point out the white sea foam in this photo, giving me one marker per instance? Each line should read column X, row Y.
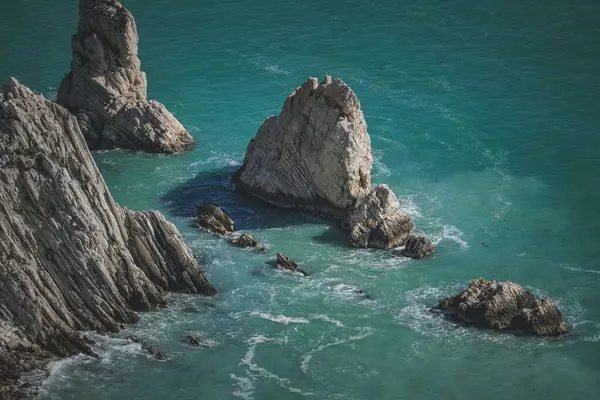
column 282, row 319
column 325, row 318
column 245, row 387
column 248, row 361
column 380, row 168
column 364, row 332
column 276, row 69
column 589, row 271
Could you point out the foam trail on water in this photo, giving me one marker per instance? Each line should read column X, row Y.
column 308, row 356
column 282, row 319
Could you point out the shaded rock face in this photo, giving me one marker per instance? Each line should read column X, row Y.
column 246, row 240
column 418, row 246
column 505, row 305
column 315, row 155
column 285, row 263
column 70, row 258
column 377, row 220
column 213, row 219
column 106, row 89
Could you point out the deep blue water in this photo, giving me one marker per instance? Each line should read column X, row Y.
column 484, row 118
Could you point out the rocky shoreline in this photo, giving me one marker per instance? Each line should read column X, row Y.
column 71, row 259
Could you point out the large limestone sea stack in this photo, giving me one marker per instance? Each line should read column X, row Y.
column 316, row 155
column 106, row 89
column 70, row 258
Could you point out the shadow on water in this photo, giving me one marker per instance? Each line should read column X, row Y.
column 247, row 212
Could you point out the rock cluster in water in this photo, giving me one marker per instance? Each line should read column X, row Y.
column 503, row 306
column 106, row 89
column 211, row 218
column 70, row 258
column 316, row 155
column 284, row 263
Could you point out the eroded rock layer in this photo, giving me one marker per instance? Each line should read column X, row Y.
column 505, row 305
column 106, row 89
column 315, row 155
column 70, row 258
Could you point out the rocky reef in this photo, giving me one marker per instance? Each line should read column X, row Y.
column 212, row 218
column 284, row 263
column 316, row 155
column 505, row 306
column 106, row 89
column 70, row 258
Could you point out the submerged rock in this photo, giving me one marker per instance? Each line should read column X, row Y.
column 155, row 352
column 246, row 240
column 71, row 259
column 377, row 220
column 212, row 218
column 106, row 89
column 285, row 263
column 195, row 341
column 505, row 305
column 418, row 246
column 316, row 156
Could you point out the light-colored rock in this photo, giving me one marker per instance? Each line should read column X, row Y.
column 377, row 220
column 503, row 306
column 315, row 155
column 70, row 258
column 106, row 89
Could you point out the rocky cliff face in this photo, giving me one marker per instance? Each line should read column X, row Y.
column 106, row 89
column 505, row 305
column 316, row 155
column 70, row 258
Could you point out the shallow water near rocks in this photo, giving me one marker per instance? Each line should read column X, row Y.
column 483, row 119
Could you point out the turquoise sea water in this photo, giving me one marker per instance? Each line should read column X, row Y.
column 484, row 118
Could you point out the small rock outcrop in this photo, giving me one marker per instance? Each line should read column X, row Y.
column 212, row 218
column 285, row 263
column 503, row 306
column 70, row 258
column 195, row 341
column 377, row 220
column 316, row 156
column 106, row 89
column 247, row 241
column 418, row 246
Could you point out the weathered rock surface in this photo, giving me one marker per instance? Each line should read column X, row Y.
column 106, row 89
column 377, row 220
column 195, row 341
column 247, row 241
column 212, row 218
column 505, row 305
column 285, row 263
column 315, row 155
column 70, row 258
column 418, row 246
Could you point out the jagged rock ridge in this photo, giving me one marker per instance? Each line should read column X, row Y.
column 106, row 89
column 70, row 258
column 316, row 155
column 503, row 306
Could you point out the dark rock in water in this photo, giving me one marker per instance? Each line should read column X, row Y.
column 246, row 240
column 286, row 264
column 212, row 218
column 418, row 246
column 155, row 352
column 106, row 89
column 505, row 305
column 88, row 340
column 195, row 341
column 71, row 259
